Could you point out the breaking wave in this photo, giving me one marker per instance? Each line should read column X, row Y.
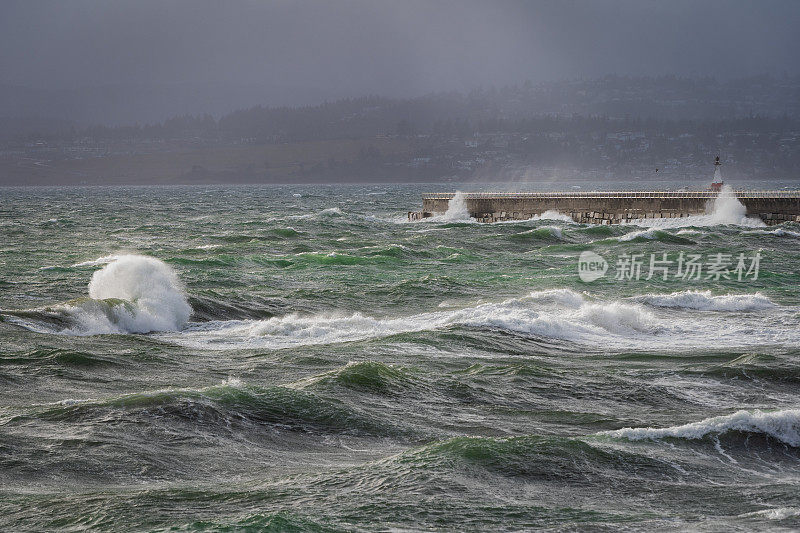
column 560, row 314
column 131, row 294
column 783, row 426
column 639, row 322
column 778, row 513
column 779, row 232
column 542, row 232
column 653, row 234
column 328, row 212
column 727, row 209
column 650, row 234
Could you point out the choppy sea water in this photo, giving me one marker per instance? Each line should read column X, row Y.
column 302, row 358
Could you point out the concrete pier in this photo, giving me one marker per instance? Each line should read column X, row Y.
column 773, row 207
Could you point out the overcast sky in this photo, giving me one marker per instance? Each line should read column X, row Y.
column 331, row 48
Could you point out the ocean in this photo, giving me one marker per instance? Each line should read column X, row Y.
column 303, row 358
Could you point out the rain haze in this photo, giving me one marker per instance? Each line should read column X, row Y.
column 155, row 59
column 145, row 92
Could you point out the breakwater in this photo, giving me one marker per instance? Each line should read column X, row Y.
column 613, row 207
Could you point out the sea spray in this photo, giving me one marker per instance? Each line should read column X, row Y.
column 723, row 210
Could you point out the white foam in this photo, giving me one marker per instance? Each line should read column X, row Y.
column 705, row 301
column 780, row 425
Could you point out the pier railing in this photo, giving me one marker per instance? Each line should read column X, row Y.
column 613, row 194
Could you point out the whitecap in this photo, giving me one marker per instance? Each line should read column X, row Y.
column 778, row 232
column 705, row 301
column 650, row 234
column 554, row 231
column 778, row 513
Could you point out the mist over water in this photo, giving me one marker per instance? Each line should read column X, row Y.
column 240, row 352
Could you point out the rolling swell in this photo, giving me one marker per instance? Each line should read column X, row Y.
column 533, row 456
column 365, row 376
column 758, row 367
column 58, row 356
column 213, row 306
column 218, row 407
